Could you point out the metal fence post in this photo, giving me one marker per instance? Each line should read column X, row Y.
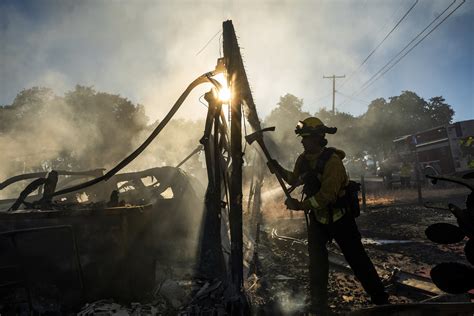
column 364, row 201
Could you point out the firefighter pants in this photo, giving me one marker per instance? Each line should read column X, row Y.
column 347, row 235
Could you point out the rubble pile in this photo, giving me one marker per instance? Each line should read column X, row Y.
column 108, row 307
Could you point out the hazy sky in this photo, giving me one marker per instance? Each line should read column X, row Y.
column 147, row 51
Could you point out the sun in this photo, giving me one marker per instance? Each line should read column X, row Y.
column 224, row 93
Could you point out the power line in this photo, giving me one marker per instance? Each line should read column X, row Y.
column 352, row 98
column 347, row 98
column 381, row 42
column 321, row 97
column 208, row 42
column 383, row 70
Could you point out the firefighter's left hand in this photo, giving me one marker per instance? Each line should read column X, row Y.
column 295, row 205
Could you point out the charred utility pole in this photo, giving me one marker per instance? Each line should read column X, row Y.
column 333, row 77
column 234, row 67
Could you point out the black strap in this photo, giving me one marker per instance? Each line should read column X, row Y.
column 320, row 164
column 311, row 176
column 330, row 214
column 323, row 159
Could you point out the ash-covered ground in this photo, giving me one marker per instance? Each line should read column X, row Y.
column 392, row 228
column 393, row 235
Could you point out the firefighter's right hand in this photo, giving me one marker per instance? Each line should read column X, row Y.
column 273, row 165
column 295, row 205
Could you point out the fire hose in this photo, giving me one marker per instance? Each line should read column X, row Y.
column 199, row 80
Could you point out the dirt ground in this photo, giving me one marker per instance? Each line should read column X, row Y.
column 393, row 235
column 392, row 228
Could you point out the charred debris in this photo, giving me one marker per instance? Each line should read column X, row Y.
column 156, row 242
column 137, row 232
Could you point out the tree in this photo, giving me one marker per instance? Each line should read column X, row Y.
column 82, row 130
column 403, row 115
column 346, row 137
column 439, row 111
column 373, row 132
column 177, row 140
column 87, row 129
column 285, row 117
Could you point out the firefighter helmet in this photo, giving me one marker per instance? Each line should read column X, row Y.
column 313, row 126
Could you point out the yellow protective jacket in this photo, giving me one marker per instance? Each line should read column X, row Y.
column 333, row 181
column 405, row 170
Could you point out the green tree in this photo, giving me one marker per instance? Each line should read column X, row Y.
column 106, row 124
column 403, row 115
column 439, row 111
column 33, row 99
column 84, row 129
column 346, row 137
column 373, row 130
column 285, row 117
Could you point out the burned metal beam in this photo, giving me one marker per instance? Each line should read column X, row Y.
column 211, row 258
column 199, row 148
column 26, row 176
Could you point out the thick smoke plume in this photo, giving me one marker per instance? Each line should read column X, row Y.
column 85, row 130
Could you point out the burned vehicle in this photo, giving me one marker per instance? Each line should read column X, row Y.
column 74, row 250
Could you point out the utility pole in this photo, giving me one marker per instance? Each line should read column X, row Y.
column 234, row 70
column 333, row 77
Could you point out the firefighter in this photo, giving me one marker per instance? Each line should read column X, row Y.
column 405, row 174
column 323, row 176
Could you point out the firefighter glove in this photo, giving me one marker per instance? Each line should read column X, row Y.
column 295, row 205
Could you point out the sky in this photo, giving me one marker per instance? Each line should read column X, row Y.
column 150, row 51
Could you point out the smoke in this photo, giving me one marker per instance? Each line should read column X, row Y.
column 289, row 302
column 87, row 130
column 148, row 51
column 177, row 140
column 34, row 137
